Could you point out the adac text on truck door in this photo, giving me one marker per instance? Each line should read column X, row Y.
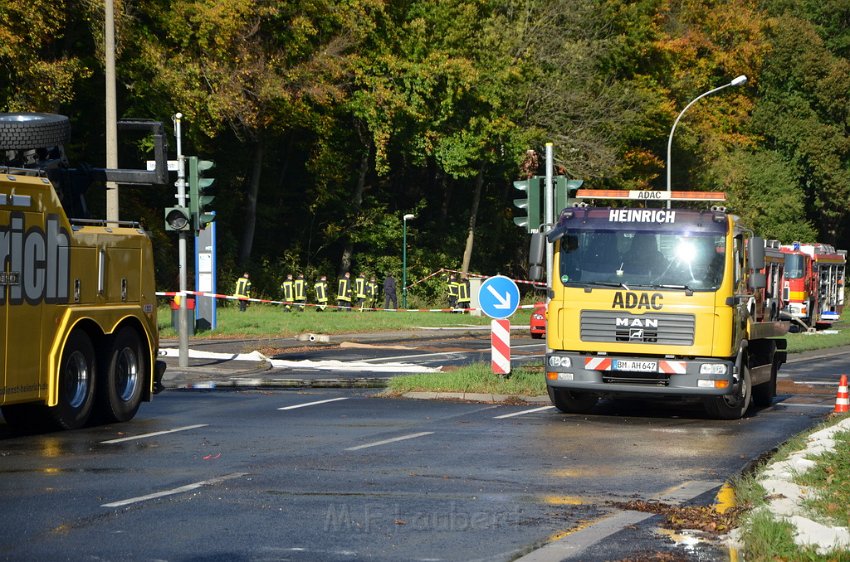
column 659, row 302
column 78, row 332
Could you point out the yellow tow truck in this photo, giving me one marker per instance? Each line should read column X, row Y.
column 78, row 332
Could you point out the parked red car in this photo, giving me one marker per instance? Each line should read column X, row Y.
column 538, row 320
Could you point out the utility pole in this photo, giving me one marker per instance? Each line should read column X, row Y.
column 112, row 206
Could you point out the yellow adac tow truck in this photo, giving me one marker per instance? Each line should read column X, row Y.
column 78, row 331
column 650, row 302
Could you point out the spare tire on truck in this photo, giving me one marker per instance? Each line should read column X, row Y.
column 23, row 131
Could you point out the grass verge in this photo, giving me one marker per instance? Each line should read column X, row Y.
column 767, row 538
column 269, row 321
column 478, row 377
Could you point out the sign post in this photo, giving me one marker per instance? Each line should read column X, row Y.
column 499, row 299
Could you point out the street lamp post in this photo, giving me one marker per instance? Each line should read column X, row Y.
column 736, row 82
column 405, row 218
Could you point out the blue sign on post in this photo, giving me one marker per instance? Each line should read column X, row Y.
column 498, row 297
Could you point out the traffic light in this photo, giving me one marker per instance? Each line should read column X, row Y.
column 563, row 189
column 199, row 187
column 177, row 218
column 531, row 203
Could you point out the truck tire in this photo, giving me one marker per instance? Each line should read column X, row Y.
column 572, row 402
column 76, row 382
column 120, row 388
column 732, row 406
column 22, row 131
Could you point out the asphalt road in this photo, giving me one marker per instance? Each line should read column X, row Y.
column 342, row 474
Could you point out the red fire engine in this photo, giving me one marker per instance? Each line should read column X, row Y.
column 813, row 286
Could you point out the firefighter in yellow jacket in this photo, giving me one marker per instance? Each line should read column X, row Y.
column 300, row 289
column 243, row 291
column 343, row 292
column 321, row 289
column 360, row 291
column 288, row 288
column 463, row 298
column 372, row 293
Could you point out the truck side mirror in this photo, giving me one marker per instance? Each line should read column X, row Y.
column 536, row 255
column 756, row 253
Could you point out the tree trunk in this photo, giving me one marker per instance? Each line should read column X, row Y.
column 250, row 219
column 357, row 199
column 473, row 215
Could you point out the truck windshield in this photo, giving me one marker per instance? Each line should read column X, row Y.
column 642, row 258
column 794, row 266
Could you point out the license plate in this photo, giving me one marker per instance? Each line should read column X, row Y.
column 637, row 366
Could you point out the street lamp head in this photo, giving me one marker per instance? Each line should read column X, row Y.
column 408, row 217
column 739, row 80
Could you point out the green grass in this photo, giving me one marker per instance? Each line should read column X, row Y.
column 270, row 321
column 819, row 340
column 832, row 477
column 769, row 539
column 478, row 377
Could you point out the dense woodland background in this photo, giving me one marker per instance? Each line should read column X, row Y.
column 329, row 120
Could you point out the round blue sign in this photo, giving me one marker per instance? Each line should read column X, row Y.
column 498, row 297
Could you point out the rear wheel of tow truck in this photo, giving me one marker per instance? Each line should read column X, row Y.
column 732, row 406
column 120, row 389
column 76, row 382
column 572, row 402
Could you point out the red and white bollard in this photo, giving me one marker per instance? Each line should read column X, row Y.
column 500, row 346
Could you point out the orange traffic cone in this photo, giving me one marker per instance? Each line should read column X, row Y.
column 842, row 399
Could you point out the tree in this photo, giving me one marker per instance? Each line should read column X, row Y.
column 40, row 69
column 256, row 69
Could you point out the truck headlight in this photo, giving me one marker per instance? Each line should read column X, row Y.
column 713, row 369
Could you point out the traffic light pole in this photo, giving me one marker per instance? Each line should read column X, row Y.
column 182, row 328
column 549, row 218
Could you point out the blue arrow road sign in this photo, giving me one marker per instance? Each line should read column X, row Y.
column 498, row 297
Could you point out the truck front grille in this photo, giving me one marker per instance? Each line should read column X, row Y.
column 624, row 327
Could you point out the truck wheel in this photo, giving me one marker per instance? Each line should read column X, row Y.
column 732, row 406
column 22, row 131
column 572, row 402
column 76, row 382
column 120, row 389
column 764, row 393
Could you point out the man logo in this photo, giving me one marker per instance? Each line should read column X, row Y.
column 636, row 322
column 636, row 334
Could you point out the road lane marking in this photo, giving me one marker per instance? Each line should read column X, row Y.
column 503, row 416
column 173, row 491
column 801, row 405
column 154, row 434
column 575, row 542
column 393, row 440
column 312, row 403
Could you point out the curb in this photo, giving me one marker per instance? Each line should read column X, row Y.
column 475, row 397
